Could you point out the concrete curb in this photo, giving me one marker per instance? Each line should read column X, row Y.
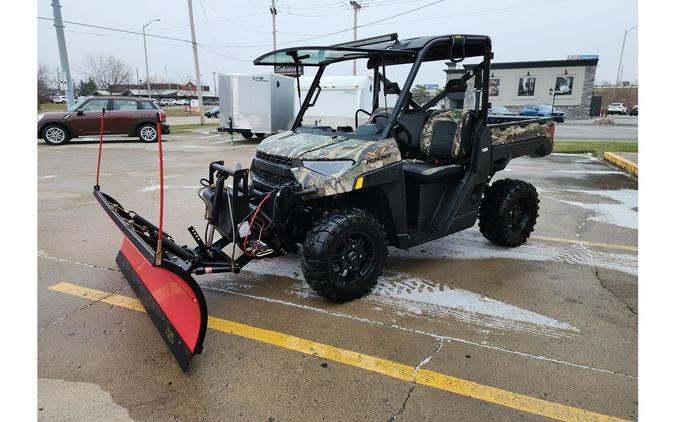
column 622, row 163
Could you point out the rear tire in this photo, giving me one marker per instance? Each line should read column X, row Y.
column 147, row 133
column 343, row 254
column 508, row 212
column 247, row 135
column 259, row 135
column 55, row 135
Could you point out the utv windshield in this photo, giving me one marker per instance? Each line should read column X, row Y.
column 317, row 56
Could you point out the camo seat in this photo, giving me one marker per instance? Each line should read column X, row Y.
column 446, row 135
column 444, row 141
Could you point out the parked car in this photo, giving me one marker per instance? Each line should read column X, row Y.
column 501, row 111
column 183, row 102
column 543, row 110
column 131, row 116
column 617, row 108
column 633, row 110
column 59, row 99
column 167, row 102
column 214, row 112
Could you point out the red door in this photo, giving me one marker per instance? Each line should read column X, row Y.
column 123, row 115
column 87, row 120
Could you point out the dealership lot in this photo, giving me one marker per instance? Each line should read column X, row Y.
column 457, row 328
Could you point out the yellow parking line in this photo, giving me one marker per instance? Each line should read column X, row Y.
column 587, row 243
column 386, row 367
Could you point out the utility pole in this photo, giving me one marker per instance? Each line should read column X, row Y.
column 356, row 8
column 273, row 11
column 63, row 54
column 618, row 72
column 194, row 51
column 58, row 80
column 145, row 49
column 138, row 81
column 214, row 82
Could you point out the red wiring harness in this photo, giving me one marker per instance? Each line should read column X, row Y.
column 261, row 224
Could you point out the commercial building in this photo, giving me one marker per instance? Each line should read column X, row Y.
column 515, row 84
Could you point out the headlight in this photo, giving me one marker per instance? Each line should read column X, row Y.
column 328, row 168
column 40, row 116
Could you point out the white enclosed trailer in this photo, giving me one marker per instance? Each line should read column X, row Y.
column 259, row 104
column 339, row 99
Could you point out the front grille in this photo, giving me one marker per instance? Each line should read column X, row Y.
column 270, row 178
column 273, row 158
column 271, row 171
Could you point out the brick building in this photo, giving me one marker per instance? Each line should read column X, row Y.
column 515, row 84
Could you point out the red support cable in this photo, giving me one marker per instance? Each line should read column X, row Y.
column 158, row 253
column 100, row 147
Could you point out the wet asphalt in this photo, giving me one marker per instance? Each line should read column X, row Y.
column 555, row 319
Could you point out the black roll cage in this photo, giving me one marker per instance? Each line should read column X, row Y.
column 430, row 48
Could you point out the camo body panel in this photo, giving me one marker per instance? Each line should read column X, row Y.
column 295, row 144
column 367, row 158
column 453, row 115
column 517, row 133
column 367, row 155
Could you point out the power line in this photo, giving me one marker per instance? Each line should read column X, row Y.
column 341, row 31
column 117, row 30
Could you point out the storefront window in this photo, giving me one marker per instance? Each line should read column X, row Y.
column 494, row 87
column 526, row 86
column 563, row 84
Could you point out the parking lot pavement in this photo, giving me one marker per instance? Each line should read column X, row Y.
column 578, row 131
column 456, row 328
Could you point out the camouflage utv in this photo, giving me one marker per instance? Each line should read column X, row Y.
column 403, row 175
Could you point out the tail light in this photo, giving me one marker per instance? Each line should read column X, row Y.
column 162, row 116
column 552, row 131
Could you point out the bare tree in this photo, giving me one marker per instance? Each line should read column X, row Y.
column 108, row 71
column 44, row 80
column 156, row 83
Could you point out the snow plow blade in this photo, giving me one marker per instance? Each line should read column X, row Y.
column 164, row 286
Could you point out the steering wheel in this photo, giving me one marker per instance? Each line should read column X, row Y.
column 399, row 128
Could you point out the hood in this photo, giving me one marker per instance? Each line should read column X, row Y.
column 297, row 145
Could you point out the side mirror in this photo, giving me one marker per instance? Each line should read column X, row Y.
column 80, row 112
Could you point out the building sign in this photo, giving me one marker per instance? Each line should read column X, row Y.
column 193, row 107
column 494, row 87
column 583, row 57
column 288, row 70
column 526, row 86
column 188, row 87
column 563, row 85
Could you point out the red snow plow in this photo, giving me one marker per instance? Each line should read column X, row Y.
column 159, row 270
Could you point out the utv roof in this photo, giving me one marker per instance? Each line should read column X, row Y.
column 387, row 48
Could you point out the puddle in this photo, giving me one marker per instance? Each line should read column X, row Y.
column 616, row 207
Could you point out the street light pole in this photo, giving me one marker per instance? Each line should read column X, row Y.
column 273, row 11
column 63, row 53
column 356, row 8
column 145, row 49
column 623, row 45
column 214, row 82
column 196, row 56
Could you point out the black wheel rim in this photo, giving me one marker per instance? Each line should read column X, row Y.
column 519, row 216
column 353, row 260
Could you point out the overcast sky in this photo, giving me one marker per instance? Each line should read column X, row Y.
column 233, row 33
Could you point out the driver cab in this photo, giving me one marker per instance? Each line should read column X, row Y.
column 435, row 142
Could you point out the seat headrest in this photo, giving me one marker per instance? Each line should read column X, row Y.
column 455, row 85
